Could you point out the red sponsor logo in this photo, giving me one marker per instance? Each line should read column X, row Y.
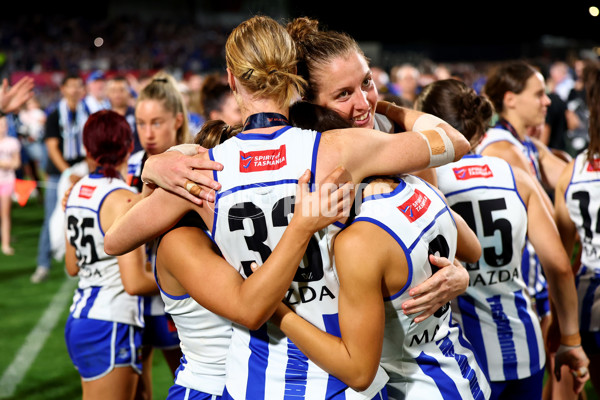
column 594, row 165
column 416, row 206
column 86, row 192
column 264, row 160
column 472, row 171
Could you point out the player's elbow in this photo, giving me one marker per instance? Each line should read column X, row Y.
column 134, row 289
column 111, row 246
column 471, row 254
column 251, row 320
column 131, row 290
column 461, row 147
column 361, row 380
column 253, row 323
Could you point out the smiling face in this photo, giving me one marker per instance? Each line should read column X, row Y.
column 346, row 86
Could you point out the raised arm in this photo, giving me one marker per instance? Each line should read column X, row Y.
column 432, row 142
column 404, row 117
column 159, row 212
column 12, row 98
column 365, row 152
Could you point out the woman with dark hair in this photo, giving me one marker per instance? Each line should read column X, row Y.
column 217, row 101
column 517, row 90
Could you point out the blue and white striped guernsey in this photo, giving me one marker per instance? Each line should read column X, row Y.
column 582, row 198
column 100, row 293
column 252, row 210
column 496, row 312
column 430, row 359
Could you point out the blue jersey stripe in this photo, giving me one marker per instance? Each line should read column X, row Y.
column 79, row 300
column 335, row 387
column 430, row 366
column 90, row 301
column 313, row 164
column 257, row 363
column 486, row 187
column 525, row 263
column 525, row 317
column 505, row 336
column 296, row 372
column 472, row 329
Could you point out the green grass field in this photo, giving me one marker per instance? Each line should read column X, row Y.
column 34, row 363
column 27, row 314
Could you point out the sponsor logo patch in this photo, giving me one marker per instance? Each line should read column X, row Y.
column 594, row 166
column 472, row 171
column 264, row 160
column 416, row 206
column 86, row 192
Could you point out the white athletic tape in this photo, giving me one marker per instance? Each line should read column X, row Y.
column 426, row 122
column 441, row 149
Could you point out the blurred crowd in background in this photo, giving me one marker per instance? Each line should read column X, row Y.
column 48, row 47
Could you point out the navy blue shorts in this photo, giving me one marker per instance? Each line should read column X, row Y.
column 519, row 389
column 96, row 347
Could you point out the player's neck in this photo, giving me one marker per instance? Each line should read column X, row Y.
column 518, row 127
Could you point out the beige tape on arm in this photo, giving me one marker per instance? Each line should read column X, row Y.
column 441, row 149
column 187, row 149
